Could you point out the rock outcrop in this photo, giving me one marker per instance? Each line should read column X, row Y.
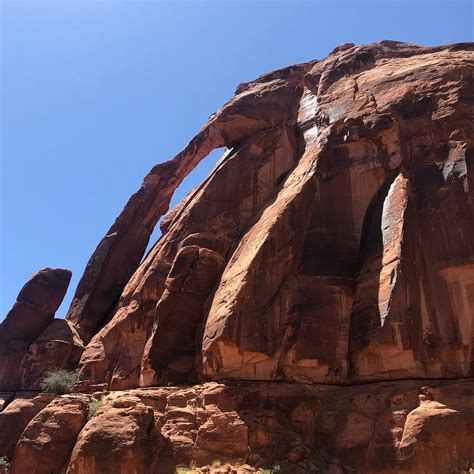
column 330, row 250
column 31, row 340
column 398, row 428
column 35, row 306
column 16, row 416
column 321, row 223
column 45, row 444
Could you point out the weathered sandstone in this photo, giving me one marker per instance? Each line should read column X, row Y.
column 16, row 416
column 309, row 305
column 398, row 427
column 120, row 438
column 31, row 318
column 46, row 443
column 59, row 346
column 119, row 253
column 35, row 306
column 316, row 234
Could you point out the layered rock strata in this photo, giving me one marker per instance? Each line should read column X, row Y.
column 398, row 427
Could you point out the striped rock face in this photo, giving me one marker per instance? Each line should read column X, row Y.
column 332, row 244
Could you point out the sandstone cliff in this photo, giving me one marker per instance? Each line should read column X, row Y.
column 310, row 304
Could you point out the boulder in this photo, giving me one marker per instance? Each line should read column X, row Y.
column 36, row 304
column 29, row 317
column 119, row 438
column 58, row 347
column 16, row 416
column 48, row 439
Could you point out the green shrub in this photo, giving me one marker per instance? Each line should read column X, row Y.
column 59, row 381
column 5, row 463
column 92, row 407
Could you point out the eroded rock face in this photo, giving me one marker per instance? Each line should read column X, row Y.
column 35, row 306
column 330, row 250
column 15, row 417
column 46, row 442
column 58, row 347
column 400, row 427
column 331, row 243
column 32, row 318
column 120, row 438
column 263, row 106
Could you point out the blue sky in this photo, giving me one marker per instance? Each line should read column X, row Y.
column 93, row 94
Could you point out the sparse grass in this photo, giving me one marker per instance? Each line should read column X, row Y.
column 59, row 381
column 5, row 463
column 92, row 407
column 216, row 463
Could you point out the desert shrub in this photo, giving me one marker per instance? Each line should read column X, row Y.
column 92, row 407
column 59, row 381
column 5, row 463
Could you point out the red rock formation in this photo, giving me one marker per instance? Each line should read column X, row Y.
column 30, row 319
column 398, row 427
column 120, row 251
column 58, row 347
column 331, row 245
column 16, row 416
column 35, row 306
column 120, row 438
column 46, row 443
column 316, row 230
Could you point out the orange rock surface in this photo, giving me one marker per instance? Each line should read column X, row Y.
column 309, row 305
column 397, row 427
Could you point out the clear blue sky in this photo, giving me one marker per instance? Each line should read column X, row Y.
column 93, row 94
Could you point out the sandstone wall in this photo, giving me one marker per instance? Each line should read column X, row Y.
column 310, row 303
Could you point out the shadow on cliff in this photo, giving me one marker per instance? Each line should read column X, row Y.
column 365, row 320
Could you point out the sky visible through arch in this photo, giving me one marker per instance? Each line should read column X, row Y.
column 94, row 93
